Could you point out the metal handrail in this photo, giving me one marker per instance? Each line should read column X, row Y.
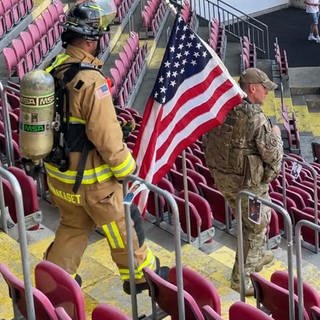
column 22, row 240
column 288, row 227
column 298, row 227
column 237, row 23
column 315, row 190
column 7, row 126
column 177, row 228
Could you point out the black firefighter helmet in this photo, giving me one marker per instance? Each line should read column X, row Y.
column 88, row 20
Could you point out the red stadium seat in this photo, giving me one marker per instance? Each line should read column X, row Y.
column 43, row 307
column 104, row 311
column 311, row 297
column 63, row 290
column 242, row 311
column 274, row 298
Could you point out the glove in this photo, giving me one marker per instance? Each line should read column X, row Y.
column 127, row 127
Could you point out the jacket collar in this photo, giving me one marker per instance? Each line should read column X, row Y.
column 78, row 54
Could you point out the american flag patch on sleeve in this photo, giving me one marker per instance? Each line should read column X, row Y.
column 102, row 91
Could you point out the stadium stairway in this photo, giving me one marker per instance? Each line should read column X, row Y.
column 101, row 282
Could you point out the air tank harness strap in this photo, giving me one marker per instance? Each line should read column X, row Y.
column 86, row 145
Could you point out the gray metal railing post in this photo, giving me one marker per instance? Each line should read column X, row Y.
column 22, row 240
column 177, row 228
column 298, row 227
column 7, row 126
column 315, row 191
column 186, row 196
column 3, row 209
column 288, row 227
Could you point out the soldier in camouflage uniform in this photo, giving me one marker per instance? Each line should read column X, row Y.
column 245, row 152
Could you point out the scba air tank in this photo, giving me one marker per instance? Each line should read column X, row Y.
column 37, row 106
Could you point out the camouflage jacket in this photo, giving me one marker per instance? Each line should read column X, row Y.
column 244, row 149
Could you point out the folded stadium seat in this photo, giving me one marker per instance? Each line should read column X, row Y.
column 11, row 62
column 303, row 194
column 193, row 158
column 199, row 153
column 288, row 178
column 159, row 202
column 105, row 311
column 2, row 25
column 164, row 294
column 29, row 4
column 30, row 198
column 206, row 173
column 273, row 231
column 57, row 18
column 43, row 307
column 210, row 314
column 14, row 102
column 275, row 183
column 16, row 149
column 38, row 41
column 202, row 290
column 6, row 12
column 15, row 8
column 179, row 163
column 45, row 39
column 63, row 290
column 277, row 198
column 274, row 298
column 217, row 202
column 23, row 8
column 311, row 297
column 201, row 219
column 306, row 186
column 196, row 177
column 243, row 311
column 22, row 54
column 176, row 179
column 31, row 52
column 308, row 235
column 131, row 57
column 116, row 83
column 29, row 42
column 296, row 197
column 14, row 120
column 315, row 313
column 130, row 74
column 49, row 25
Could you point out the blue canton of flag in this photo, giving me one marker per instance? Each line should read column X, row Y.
column 185, row 56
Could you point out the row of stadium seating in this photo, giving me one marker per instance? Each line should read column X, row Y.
column 217, row 38
column 29, row 49
column 12, row 12
column 127, row 69
column 248, row 54
column 152, row 16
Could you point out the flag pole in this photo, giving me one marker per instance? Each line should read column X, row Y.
column 186, row 196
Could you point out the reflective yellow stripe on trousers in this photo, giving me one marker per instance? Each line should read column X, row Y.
column 149, row 262
column 112, row 232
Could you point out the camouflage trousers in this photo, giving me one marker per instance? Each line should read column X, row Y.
column 254, row 235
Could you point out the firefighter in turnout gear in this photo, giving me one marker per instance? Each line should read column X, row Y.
column 85, row 182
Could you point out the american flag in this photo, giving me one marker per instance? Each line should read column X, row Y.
column 192, row 94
